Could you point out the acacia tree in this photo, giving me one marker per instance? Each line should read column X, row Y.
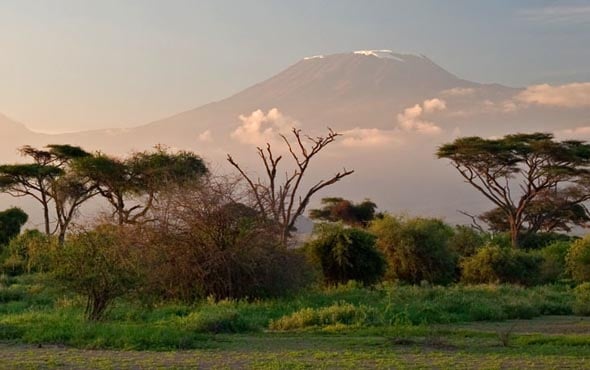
column 283, row 202
column 39, row 178
column 514, row 171
column 131, row 185
column 551, row 212
column 340, row 209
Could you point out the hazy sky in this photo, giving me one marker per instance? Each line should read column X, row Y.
column 76, row 64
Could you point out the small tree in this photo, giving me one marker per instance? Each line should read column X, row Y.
column 346, row 254
column 500, row 265
column 578, row 260
column 416, row 249
column 99, row 265
column 466, row 240
column 285, row 202
column 11, row 222
column 342, row 210
column 534, row 164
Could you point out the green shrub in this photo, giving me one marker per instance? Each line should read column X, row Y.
column 345, row 254
column 417, row 249
column 217, row 319
column 29, row 252
column 542, row 239
column 466, row 241
column 553, row 266
column 99, row 265
column 578, row 260
column 493, row 264
column 581, row 305
column 340, row 313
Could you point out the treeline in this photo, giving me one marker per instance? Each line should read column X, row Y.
column 176, row 232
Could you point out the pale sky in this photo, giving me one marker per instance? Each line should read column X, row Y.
column 68, row 65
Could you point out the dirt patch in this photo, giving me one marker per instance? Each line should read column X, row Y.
column 540, row 325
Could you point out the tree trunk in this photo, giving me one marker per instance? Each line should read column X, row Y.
column 46, row 216
column 514, row 232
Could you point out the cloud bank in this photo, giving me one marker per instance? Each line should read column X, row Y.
column 412, row 120
column 259, row 127
column 568, row 96
column 367, row 137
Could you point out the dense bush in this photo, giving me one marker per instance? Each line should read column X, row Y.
column 493, row 264
column 542, row 239
column 466, row 240
column 581, row 305
column 203, row 243
column 100, row 265
column 553, row 266
column 345, row 254
column 417, row 249
column 578, row 260
column 29, row 252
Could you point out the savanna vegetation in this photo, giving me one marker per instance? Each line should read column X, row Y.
column 187, row 260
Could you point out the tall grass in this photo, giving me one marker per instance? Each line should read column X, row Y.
column 32, row 312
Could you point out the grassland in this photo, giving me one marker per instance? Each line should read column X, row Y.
column 487, row 327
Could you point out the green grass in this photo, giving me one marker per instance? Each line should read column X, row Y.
column 345, row 326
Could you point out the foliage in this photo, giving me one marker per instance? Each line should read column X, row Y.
column 465, row 240
column 551, row 211
column 30, row 312
column 534, row 163
column 98, row 264
column 553, row 267
column 132, row 185
column 578, row 260
column 416, row 249
column 493, row 264
column 345, row 254
column 581, row 305
column 29, row 252
column 340, row 313
column 11, row 221
column 40, row 180
column 345, row 211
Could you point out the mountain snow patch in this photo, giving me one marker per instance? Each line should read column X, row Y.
column 384, row 54
column 314, row 57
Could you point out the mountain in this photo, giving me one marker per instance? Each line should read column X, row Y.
column 393, row 108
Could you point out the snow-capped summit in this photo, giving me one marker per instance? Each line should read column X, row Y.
column 386, row 54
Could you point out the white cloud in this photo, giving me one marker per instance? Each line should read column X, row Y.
column 580, row 132
column 259, row 127
column 367, row 137
column 435, row 104
column 569, row 95
column 411, row 120
column 206, row 136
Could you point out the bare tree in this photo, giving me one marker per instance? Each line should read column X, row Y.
column 283, row 202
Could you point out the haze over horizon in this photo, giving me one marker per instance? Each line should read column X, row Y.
column 82, row 65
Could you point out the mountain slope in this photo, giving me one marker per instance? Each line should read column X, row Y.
column 393, row 108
